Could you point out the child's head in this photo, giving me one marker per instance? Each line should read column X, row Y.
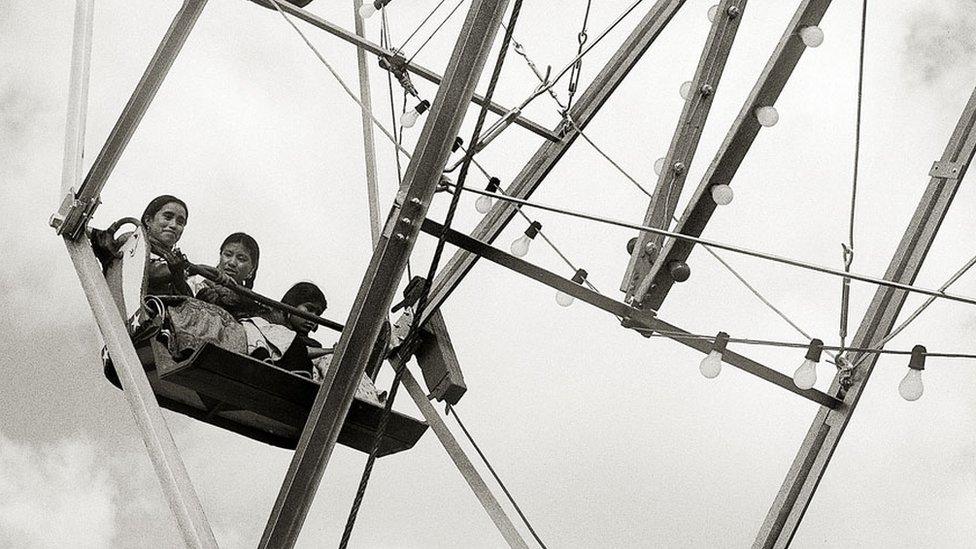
column 239, row 257
column 309, row 298
column 164, row 219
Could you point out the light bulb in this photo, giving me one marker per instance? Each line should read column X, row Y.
column 520, row 246
column 367, row 9
column 767, row 116
column 911, row 386
column 711, row 365
column 812, row 36
column 659, row 166
column 564, row 300
column 483, row 204
column 410, row 117
column 685, row 90
column 722, row 194
column 712, row 12
column 805, row 376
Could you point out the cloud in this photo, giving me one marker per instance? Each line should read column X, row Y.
column 55, row 495
column 941, row 37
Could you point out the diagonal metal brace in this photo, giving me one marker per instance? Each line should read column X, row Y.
column 640, row 320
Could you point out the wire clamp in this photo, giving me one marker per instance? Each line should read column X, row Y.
column 396, row 64
column 846, row 370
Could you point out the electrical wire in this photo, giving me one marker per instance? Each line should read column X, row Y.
column 786, row 344
column 848, row 249
column 421, row 25
column 436, row 30
column 915, row 314
column 338, row 78
column 484, row 458
column 729, row 247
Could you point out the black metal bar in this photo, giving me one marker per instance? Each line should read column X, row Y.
column 631, row 317
column 267, row 301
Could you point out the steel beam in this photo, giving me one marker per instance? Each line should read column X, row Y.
column 425, row 73
column 386, row 267
column 685, row 141
column 641, row 321
column 74, row 127
column 810, row 463
column 369, row 144
column 739, row 139
column 78, row 207
column 545, row 158
column 163, row 453
column 467, row 469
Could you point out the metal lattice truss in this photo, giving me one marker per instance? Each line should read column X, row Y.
column 646, row 282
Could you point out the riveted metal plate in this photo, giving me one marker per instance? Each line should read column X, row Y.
column 946, row 170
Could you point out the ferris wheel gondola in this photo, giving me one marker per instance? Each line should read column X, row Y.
column 231, row 390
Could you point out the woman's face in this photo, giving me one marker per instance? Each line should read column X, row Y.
column 302, row 326
column 167, row 225
column 236, row 262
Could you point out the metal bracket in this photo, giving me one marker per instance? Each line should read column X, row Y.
column 946, row 169
column 396, row 64
column 73, row 209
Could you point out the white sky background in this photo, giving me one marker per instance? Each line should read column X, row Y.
column 605, row 438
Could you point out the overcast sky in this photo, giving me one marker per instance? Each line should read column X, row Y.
column 605, row 438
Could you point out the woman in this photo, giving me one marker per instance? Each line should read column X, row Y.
column 163, row 220
column 213, row 316
column 239, row 260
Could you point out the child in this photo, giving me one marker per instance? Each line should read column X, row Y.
column 283, row 338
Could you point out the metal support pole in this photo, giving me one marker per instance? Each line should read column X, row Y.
column 687, row 134
column 631, row 317
column 545, row 158
column 163, row 453
column 369, row 144
column 363, row 44
column 464, row 465
column 77, row 208
column 165, row 456
column 386, row 268
column 74, row 127
column 730, row 155
column 811, row 462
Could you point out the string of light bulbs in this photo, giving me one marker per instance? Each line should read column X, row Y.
column 911, row 385
column 805, row 377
